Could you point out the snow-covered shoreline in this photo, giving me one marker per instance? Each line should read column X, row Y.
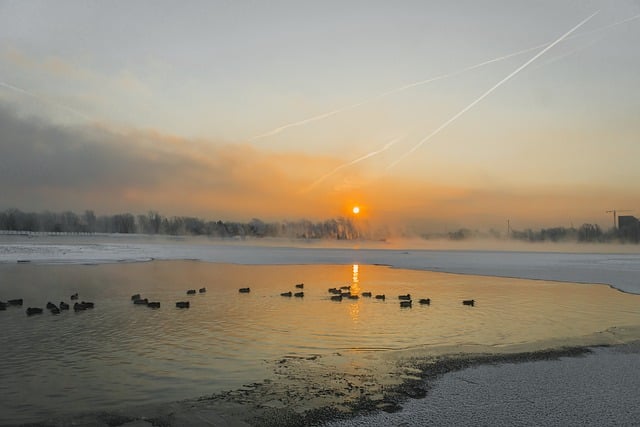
column 617, row 269
column 594, row 389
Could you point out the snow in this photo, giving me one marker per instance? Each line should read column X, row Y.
column 595, row 390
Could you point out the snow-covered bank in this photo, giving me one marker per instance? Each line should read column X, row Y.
column 593, row 390
column 620, row 270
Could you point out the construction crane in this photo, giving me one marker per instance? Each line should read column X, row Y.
column 615, row 212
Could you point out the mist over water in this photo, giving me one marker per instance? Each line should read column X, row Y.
column 120, row 354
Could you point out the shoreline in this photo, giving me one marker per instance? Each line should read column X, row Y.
column 305, row 392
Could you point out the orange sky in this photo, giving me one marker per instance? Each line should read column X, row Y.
column 147, row 170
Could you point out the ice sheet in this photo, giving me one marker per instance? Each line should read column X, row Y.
column 620, row 270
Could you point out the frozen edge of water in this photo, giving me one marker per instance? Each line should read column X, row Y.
column 618, row 270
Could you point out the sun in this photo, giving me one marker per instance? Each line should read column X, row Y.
column 356, row 210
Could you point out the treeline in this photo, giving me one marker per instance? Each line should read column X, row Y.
column 14, row 220
column 154, row 223
column 586, row 233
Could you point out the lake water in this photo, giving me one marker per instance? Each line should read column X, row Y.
column 122, row 354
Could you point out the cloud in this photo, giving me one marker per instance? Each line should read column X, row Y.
column 43, row 165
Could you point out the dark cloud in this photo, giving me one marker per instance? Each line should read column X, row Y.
column 35, row 153
column 49, row 166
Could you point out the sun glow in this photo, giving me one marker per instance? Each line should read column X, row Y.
column 355, row 210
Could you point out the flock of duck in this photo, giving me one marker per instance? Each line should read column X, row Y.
column 337, row 294
column 54, row 309
column 138, row 300
column 344, row 292
column 86, row 305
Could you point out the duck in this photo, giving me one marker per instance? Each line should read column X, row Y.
column 353, row 296
column 64, row 305
column 469, row 302
column 191, row 292
column 336, row 297
column 33, row 310
column 405, row 304
column 425, row 301
column 135, row 297
column 406, row 297
column 50, row 305
column 335, row 291
column 141, row 301
column 287, row 294
column 299, row 294
column 74, row 296
column 153, row 304
column 244, row 290
column 15, row 301
column 300, row 285
column 54, row 310
column 381, row 296
column 366, row 294
column 202, row 290
column 81, row 306
column 182, row 304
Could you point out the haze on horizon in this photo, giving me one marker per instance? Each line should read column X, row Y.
column 288, row 110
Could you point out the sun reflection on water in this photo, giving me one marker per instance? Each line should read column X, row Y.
column 355, row 280
column 354, row 307
column 354, row 310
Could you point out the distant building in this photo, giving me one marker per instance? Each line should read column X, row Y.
column 628, row 221
column 629, row 228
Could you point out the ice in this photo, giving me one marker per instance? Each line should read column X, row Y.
column 619, row 270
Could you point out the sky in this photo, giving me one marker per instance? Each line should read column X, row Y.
column 430, row 115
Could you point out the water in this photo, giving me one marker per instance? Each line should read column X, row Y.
column 122, row 354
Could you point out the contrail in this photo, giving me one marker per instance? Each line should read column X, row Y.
column 353, row 162
column 310, row 119
column 426, row 81
column 41, row 98
column 569, row 53
column 500, row 58
column 484, row 95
